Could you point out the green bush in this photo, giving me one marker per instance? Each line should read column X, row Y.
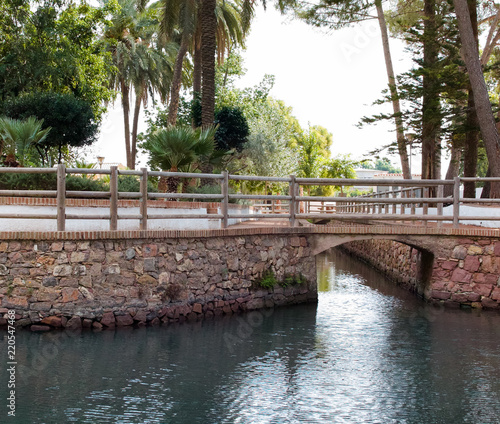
column 292, row 280
column 76, row 183
column 268, row 280
column 131, row 184
column 214, row 189
column 49, row 182
column 28, row 181
column 126, row 183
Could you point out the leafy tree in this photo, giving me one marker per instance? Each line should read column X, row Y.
column 72, row 120
column 383, row 164
column 232, row 129
column 53, row 46
column 341, row 166
column 268, row 151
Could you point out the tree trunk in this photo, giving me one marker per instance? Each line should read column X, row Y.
column 472, row 134
column 197, row 52
column 126, row 118
column 135, row 125
column 208, row 47
column 454, row 166
column 431, row 110
column 485, row 194
column 197, row 69
column 481, row 98
column 175, row 88
column 471, row 146
column 400, row 136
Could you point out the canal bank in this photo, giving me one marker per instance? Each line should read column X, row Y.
column 127, row 278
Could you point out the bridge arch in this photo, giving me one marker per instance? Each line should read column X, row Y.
column 412, row 268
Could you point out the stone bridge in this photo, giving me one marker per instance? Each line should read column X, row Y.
column 104, row 279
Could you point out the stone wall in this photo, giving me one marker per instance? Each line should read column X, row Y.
column 397, row 261
column 455, row 272
column 136, row 281
column 469, row 276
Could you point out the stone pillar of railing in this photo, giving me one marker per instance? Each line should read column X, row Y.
column 61, row 197
column 225, row 199
column 144, row 199
column 113, row 200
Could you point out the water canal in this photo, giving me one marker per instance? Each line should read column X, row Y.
column 367, row 353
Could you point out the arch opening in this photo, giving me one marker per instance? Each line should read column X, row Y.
column 403, row 262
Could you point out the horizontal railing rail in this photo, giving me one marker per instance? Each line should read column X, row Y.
column 395, row 200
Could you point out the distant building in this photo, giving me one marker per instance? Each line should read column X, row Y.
column 368, row 174
column 387, row 176
column 376, row 174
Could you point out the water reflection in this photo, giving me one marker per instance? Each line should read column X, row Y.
column 367, row 353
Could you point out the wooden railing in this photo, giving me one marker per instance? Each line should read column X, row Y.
column 404, row 200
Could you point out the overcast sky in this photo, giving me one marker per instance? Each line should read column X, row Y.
column 329, row 79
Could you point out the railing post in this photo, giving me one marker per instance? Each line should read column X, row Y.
column 293, row 203
column 425, row 206
column 403, row 196
column 113, row 201
column 61, row 197
column 225, row 199
column 440, row 194
column 144, row 199
column 456, row 201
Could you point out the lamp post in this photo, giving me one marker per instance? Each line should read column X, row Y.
column 100, row 159
column 410, row 138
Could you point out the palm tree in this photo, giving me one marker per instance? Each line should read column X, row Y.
column 178, row 14
column 178, row 148
column 17, row 137
column 184, row 17
column 142, row 64
column 151, row 71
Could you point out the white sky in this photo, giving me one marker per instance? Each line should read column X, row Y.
column 328, row 79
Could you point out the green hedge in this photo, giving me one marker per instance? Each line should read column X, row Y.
column 126, row 183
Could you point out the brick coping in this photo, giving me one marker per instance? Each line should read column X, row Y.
column 123, row 203
column 369, row 230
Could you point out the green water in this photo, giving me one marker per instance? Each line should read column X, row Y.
column 367, row 353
